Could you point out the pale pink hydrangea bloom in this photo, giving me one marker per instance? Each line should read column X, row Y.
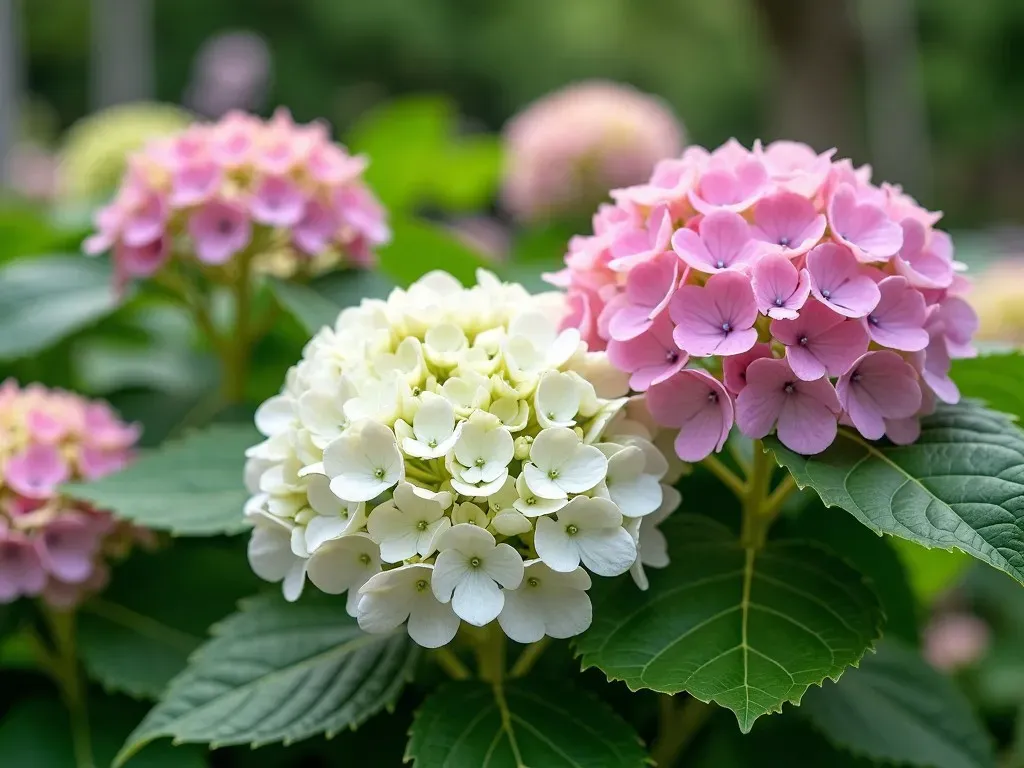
column 567, row 149
column 51, row 545
column 815, row 297
column 213, row 189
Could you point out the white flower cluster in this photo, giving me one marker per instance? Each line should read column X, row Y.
column 449, row 455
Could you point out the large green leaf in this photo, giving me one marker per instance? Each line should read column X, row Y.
column 280, row 672
column 898, row 709
column 139, row 633
column 192, row 486
column 43, row 300
column 748, row 629
column 872, row 555
column 961, row 485
column 996, row 379
column 522, row 724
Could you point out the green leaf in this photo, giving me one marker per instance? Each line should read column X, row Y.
column 280, row 672
column 872, row 555
column 898, row 709
column 748, row 629
column 43, row 300
column 419, row 247
column 318, row 303
column 520, row 724
column 961, row 485
column 140, row 632
column 192, row 486
column 996, row 379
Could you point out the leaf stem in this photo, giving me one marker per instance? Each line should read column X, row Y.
column 451, row 664
column 677, row 728
column 529, row 657
column 755, row 519
column 726, row 475
column 238, row 348
column 490, row 654
column 63, row 666
column 773, row 504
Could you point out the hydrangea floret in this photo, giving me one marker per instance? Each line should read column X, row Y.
column 775, row 288
column 280, row 191
column 53, row 546
column 449, row 455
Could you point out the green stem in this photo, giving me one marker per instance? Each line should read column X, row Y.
column 63, row 667
column 755, row 521
column 773, row 504
column 490, row 654
column 677, row 728
column 237, row 350
column 451, row 664
column 529, row 657
column 726, row 475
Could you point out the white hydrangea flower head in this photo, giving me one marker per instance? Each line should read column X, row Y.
column 450, row 454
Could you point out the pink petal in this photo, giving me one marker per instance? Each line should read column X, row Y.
column 734, row 367
column 67, row 547
column 277, row 202
column 862, row 226
column 898, row 319
column 820, row 342
column 716, row 318
column 651, row 357
column 194, row 183
column 789, row 222
column 37, row 471
column 836, row 281
column 21, row 569
column 144, row 260
column 903, row 431
column 317, row 229
column 689, row 246
column 699, row 405
column 879, row 385
column 779, row 289
column 219, row 230
column 807, row 424
column 759, row 403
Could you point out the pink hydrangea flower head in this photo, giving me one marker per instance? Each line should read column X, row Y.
column 863, row 227
column 780, row 290
column 566, row 150
column 788, row 223
column 716, row 318
column 783, row 261
column 649, row 288
column 52, row 544
column 651, row 357
column 803, row 413
column 819, row 342
column 697, row 404
column 722, row 241
column 215, row 188
column 839, row 282
column 878, row 386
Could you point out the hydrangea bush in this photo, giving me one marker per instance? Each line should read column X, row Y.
column 447, row 455
column 670, row 469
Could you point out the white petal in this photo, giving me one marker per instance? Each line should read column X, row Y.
column 505, row 566
column 451, row 567
column 520, row 619
column 275, row 415
column 557, row 400
column 552, row 446
column 590, row 514
column 555, row 547
column 270, row 551
column 606, row 552
column 584, row 469
column 294, row 581
column 344, row 564
column 322, row 529
column 470, row 540
column 318, row 491
column 428, row 540
column 538, row 481
column 638, row 497
column 477, row 599
column 567, row 612
column 480, row 491
column 432, row 624
column 382, row 611
column 510, row 522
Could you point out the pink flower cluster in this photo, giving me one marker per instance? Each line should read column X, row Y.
column 51, row 545
column 208, row 192
column 567, row 149
column 776, row 289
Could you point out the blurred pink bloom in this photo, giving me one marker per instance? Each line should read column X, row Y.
column 277, row 202
column 955, row 640
column 219, row 230
column 566, row 150
column 37, row 471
